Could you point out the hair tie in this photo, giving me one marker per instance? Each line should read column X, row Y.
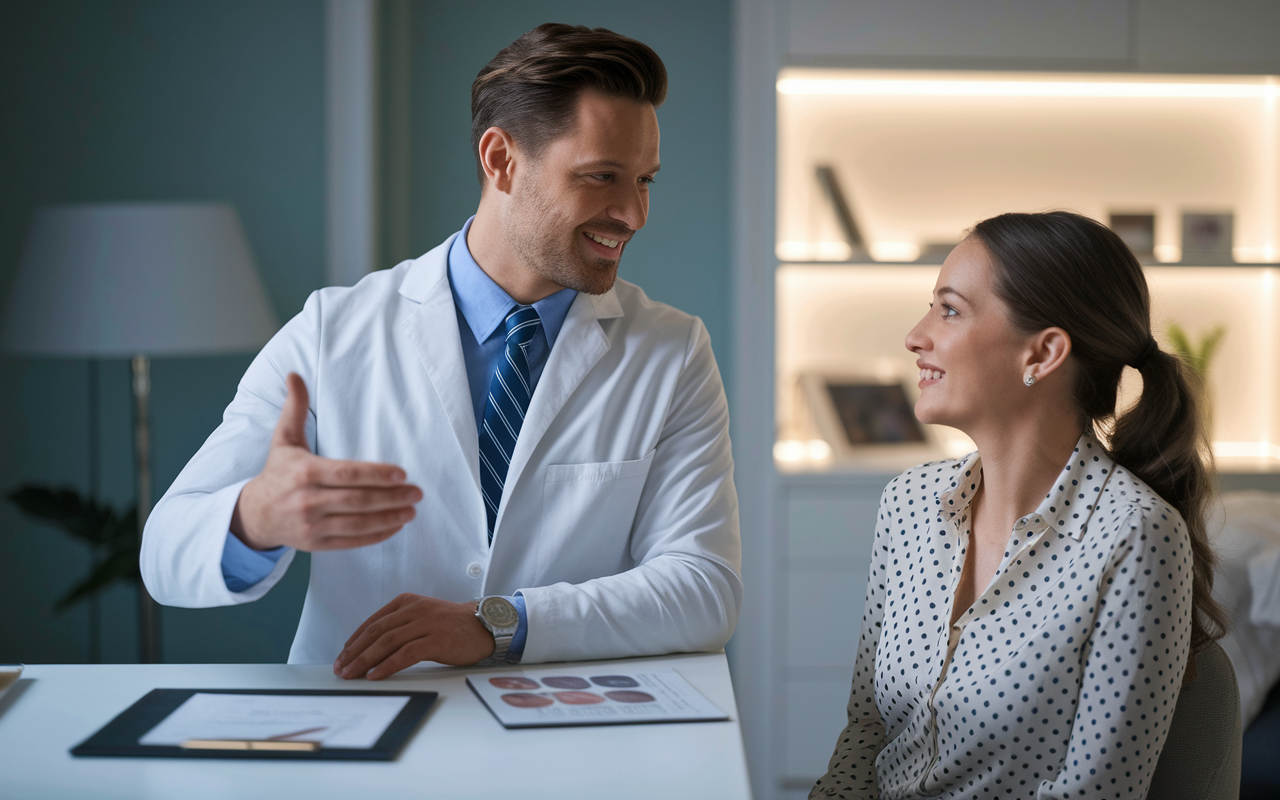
column 1148, row 350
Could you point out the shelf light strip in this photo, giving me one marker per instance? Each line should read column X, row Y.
column 818, row 450
column 1246, row 450
column 867, row 87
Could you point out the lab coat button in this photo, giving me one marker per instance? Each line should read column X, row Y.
column 474, row 569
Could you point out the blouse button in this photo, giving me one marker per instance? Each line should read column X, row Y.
column 474, row 569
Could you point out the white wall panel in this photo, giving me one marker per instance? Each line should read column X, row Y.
column 1197, row 36
column 1048, row 29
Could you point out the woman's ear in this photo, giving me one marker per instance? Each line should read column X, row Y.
column 1046, row 353
column 498, row 157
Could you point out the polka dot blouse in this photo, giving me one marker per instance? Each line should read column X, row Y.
column 1059, row 681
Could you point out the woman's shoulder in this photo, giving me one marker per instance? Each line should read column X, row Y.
column 1126, row 498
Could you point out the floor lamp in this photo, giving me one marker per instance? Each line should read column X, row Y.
column 137, row 280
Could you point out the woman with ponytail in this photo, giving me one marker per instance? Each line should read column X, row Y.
column 1032, row 608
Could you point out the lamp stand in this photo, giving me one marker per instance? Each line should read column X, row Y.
column 148, row 609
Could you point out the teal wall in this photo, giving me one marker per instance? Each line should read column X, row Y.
column 112, row 100
column 159, row 100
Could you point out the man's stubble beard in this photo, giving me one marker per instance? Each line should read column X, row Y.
column 538, row 242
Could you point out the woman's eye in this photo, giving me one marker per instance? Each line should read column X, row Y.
column 948, row 311
column 647, row 181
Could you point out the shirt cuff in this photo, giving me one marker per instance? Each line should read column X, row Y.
column 516, row 650
column 242, row 566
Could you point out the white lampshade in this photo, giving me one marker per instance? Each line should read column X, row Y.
column 125, row 279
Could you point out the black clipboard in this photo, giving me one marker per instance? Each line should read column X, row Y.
column 120, row 736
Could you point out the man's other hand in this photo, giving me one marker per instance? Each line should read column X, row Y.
column 303, row 501
column 413, row 628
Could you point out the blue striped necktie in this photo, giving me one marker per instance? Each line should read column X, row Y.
column 504, row 407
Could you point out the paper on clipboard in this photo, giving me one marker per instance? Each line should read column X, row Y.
column 340, row 721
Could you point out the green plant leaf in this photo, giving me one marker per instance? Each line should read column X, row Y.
column 120, row 565
column 1178, row 339
column 66, row 509
column 1209, row 346
column 124, row 528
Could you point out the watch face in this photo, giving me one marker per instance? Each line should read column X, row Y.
column 499, row 612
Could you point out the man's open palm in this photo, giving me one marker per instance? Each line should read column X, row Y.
column 303, row 501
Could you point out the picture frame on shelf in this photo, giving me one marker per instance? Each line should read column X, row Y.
column 866, row 418
column 1207, row 238
column 1138, row 231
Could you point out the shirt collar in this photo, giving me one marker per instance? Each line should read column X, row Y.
column 1069, row 504
column 485, row 305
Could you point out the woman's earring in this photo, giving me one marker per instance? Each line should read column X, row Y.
column 1029, row 380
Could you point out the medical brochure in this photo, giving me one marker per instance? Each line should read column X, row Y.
column 585, row 696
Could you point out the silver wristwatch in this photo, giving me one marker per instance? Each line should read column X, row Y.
column 499, row 615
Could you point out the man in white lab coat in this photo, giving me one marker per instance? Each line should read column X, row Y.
column 496, row 451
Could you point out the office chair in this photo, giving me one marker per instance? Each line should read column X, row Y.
column 1201, row 757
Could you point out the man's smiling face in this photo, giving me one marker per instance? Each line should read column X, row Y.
column 581, row 200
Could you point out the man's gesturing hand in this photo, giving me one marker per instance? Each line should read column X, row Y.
column 311, row 503
column 413, row 628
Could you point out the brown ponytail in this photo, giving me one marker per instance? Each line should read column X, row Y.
column 1064, row 270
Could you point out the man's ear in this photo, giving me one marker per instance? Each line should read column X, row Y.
column 498, row 157
column 1047, row 352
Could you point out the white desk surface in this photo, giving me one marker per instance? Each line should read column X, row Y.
column 459, row 752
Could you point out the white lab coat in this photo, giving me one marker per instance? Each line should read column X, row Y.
column 618, row 520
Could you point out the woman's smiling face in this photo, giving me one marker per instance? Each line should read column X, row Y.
column 969, row 354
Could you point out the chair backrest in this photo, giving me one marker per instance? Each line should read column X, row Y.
column 1201, row 757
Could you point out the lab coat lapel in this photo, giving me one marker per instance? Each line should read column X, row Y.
column 581, row 344
column 433, row 330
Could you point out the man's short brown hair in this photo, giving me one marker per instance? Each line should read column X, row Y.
column 530, row 89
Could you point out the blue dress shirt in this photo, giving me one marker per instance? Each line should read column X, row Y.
column 482, row 307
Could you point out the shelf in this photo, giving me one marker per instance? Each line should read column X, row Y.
column 921, row 156
column 851, row 320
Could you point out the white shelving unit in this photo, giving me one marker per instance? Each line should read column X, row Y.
column 1104, row 109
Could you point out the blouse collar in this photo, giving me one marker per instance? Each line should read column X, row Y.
column 1066, row 508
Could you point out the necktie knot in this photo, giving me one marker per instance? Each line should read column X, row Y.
column 521, row 325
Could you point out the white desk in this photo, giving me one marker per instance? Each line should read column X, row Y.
column 459, row 752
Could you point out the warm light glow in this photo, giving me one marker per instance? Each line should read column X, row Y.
column 788, row 450
column 818, row 450
column 797, row 450
column 955, row 448
column 1254, row 255
column 908, row 87
column 1167, row 253
column 1246, row 450
column 894, row 251
column 814, row 251
column 1269, row 354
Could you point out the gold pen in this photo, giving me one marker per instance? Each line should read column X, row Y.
column 275, row 743
column 248, row 744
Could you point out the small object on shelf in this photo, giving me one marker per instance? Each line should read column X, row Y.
column 873, row 413
column 1138, row 231
column 1207, row 238
column 844, row 214
column 935, row 252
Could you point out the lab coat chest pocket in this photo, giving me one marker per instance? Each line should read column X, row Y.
column 588, row 512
